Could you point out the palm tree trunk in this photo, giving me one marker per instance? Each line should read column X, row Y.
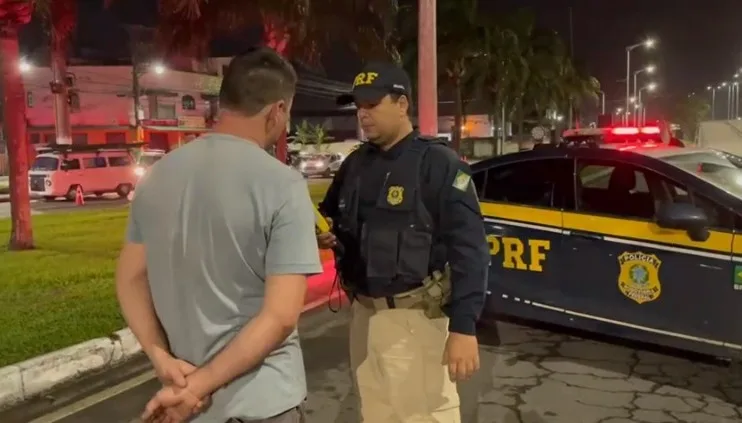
column 14, row 111
column 458, row 116
column 275, row 38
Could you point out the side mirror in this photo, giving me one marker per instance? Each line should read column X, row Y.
column 684, row 216
column 64, row 166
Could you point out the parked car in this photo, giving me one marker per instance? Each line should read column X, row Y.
column 628, row 237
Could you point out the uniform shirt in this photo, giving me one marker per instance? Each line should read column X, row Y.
column 217, row 216
column 456, row 212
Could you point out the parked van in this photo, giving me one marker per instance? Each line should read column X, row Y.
column 59, row 171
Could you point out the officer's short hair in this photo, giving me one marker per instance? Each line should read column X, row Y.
column 256, row 79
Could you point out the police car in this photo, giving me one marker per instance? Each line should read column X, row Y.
column 627, row 236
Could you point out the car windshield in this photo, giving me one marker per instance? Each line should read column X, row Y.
column 716, row 167
column 148, row 160
column 45, row 163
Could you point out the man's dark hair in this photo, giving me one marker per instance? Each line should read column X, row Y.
column 256, row 79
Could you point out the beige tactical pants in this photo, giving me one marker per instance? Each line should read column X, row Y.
column 396, row 358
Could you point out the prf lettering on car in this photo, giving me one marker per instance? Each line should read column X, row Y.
column 364, row 78
column 514, row 254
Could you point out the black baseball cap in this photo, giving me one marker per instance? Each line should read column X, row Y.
column 375, row 81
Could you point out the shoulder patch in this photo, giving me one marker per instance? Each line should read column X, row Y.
column 461, row 181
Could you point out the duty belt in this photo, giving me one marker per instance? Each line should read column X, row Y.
column 430, row 297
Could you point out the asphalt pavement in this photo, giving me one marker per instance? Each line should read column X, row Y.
column 533, row 376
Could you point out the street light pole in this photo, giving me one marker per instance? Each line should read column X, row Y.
column 427, row 82
column 713, row 101
column 648, row 69
column 602, row 102
column 628, row 81
column 648, row 43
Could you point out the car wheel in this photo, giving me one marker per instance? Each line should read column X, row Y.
column 123, row 190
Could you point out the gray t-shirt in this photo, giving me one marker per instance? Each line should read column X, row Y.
column 217, row 216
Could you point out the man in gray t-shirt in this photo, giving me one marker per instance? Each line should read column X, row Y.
column 212, row 276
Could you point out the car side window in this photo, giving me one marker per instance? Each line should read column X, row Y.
column 119, row 161
column 71, row 164
column 539, row 183
column 94, row 162
column 615, row 189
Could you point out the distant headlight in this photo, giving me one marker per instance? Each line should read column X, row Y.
column 139, row 171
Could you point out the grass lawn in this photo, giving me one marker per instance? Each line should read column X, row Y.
column 62, row 293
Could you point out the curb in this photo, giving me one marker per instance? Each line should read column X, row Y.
column 33, row 378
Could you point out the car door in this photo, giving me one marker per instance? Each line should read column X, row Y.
column 628, row 271
column 521, row 203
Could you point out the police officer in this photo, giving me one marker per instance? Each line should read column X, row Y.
column 412, row 255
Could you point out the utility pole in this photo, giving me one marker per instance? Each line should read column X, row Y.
column 59, row 83
column 571, row 117
column 136, row 45
column 427, row 64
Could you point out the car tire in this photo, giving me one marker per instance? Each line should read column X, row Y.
column 123, row 190
column 72, row 192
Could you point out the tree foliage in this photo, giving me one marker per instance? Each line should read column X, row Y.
column 301, row 28
column 508, row 61
column 689, row 113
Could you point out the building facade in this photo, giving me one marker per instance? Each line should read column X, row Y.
column 174, row 104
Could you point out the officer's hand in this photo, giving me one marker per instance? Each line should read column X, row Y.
column 327, row 240
column 461, row 356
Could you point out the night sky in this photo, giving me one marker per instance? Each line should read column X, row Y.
column 699, row 41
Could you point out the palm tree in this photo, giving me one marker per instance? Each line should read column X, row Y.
column 62, row 17
column 498, row 71
column 15, row 14
column 528, row 71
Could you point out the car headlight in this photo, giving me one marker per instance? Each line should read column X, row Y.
column 139, row 171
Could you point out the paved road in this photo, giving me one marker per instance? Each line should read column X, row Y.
column 534, row 376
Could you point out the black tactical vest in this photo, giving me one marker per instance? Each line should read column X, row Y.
column 393, row 246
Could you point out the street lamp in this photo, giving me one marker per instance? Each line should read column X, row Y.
column 158, row 68
column 602, row 102
column 713, row 101
column 642, row 115
column 648, row 43
column 648, row 69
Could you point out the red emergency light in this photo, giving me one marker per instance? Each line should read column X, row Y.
column 625, row 131
column 647, row 130
column 650, row 130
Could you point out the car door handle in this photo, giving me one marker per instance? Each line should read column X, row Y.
column 587, row 235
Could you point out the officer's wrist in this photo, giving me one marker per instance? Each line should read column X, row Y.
column 465, row 325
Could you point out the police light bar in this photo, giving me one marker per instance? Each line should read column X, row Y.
column 625, row 131
column 650, row 130
column 647, row 130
